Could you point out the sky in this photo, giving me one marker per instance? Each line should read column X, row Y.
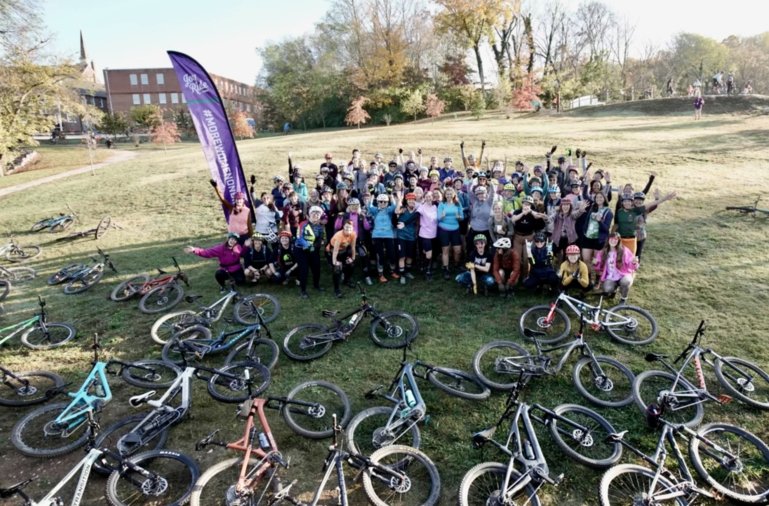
column 224, row 35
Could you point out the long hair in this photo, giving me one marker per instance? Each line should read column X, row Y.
column 620, row 253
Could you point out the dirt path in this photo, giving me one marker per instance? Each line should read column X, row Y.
column 118, row 156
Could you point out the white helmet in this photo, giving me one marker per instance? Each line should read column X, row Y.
column 316, row 209
column 382, row 198
column 503, row 242
column 353, row 202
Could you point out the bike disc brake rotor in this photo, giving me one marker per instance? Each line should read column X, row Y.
column 400, row 484
column 317, row 411
column 543, row 323
column 55, row 429
column 746, row 385
column 582, row 438
column 394, row 331
column 26, row 390
column 604, row 384
column 233, row 498
column 155, row 486
column 382, row 437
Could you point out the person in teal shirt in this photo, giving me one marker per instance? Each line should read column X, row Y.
column 383, row 235
column 450, row 214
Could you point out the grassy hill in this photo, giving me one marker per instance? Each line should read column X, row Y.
column 700, row 262
column 714, row 104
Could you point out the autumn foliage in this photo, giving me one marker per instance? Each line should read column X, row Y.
column 434, row 106
column 165, row 133
column 356, row 114
column 526, row 98
column 240, row 127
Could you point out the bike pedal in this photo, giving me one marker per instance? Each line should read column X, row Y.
column 724, row 399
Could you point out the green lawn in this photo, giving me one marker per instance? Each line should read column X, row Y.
column 700, row 262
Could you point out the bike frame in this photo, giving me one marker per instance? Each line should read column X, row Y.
column 594, row 312
column 19, row 327
column 85, row 464
column 220, row 343
column 221, row 304
column 83, row 402
column 404, row 414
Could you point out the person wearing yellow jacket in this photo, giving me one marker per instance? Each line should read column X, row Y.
column 573, row 271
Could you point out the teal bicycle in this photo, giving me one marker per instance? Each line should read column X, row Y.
column 38, row 333
column 58, row 429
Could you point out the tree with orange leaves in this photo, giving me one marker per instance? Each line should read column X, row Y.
column 434, row 106
column 165, row 133
column 356, row 114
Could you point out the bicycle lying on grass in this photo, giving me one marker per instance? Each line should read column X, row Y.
column 684, row 400
column 81, row 277
column 97, row 232
column 17, row 274
column 13, row 252
column 56, row 223
column 38, row 333
column 390, row 329
column 158, row 294
column 749, row 209
column 28, row 388
column 627, row 324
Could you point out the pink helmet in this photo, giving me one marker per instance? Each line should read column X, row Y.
column 240, row 196
column 572, row 250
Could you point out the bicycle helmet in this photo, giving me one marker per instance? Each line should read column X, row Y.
column 480, row 189
column 423, row 169
column 327, row 189
column 277, row 178
column 509, row 186
column 503, row 242
column 625, row 197
column 382, row 198
column 316, row 210
column 398, row 176
column 527, row 200
column 353, row 202
column 284, row 233
column 554, row 189
column 639, row 196
column 239, row 196
column 572, row 250
column 411, row 196
column 479, row 238
column 539, row 237
column 341, row 186
column 232, row 235
column 258, row 237
column 434, row 173
column 448, row 159
column 482, row 175
column 536, row 189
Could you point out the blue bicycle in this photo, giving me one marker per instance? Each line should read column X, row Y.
column 57, row 429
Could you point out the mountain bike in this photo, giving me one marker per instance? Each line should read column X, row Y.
column 5, row 288
column 56, row 223
column 749, row 209
column 381, row 426
column 391, row 329
column 158, row 294
column 308, row 409
column 683, row 399
column 17, row 274
column 38, row 333
column 154, row 477
column 28, row 388
column 97, row 232
column 58, row 429
column 579, row 432
column 245, row 312
column 392, row 475
column 13, row 252
column 81, row 277
column 600, row 379
column 627, row 324
column 734, row 462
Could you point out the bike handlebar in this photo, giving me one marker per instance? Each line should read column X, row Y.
column 699, row 333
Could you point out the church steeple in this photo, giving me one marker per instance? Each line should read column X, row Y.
column 83, row 57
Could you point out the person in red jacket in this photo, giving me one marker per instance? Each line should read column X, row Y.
column 228, row 254
column 506, row 266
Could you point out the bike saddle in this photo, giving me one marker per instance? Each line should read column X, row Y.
column 11, row 491
column 616, row 437
column 653, row 357
column 138, row 400
column 530, row 333
column 480, row 438
column 326, row 313
column 161, row 272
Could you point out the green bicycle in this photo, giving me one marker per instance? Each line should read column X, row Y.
column 38, row 333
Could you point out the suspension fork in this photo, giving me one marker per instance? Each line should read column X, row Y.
column 698, row 371
column 551, row 313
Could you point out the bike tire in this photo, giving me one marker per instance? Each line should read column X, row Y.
column 495, row 373
column 265, row 304
column 22, row 254
column 265, row 351
column 647, row 387
column 27, row 437
column 591, row 449
column 40, row 225
column 178, row 472
column 171, row 323
column 128, row 288
column 422, row 484
column 458, row 383
column 54, row 335
column 14, row 393
column 481, row 486
column 316, row 421
column 22, row 273
column 394, row 329
column 214, row 483
column 744, row 380
column 5, row 288
column 625, row 482
column 191, row 341
column 161, row 375
column 232, row 390
column 642, row 330
column 83, row 283
column 109, row 437
column 613, row 389
column 301, row 344
column 102, row 227
column 63, row 274
column 747, row 478
column 555, row 331
column 62, row 225
column 364, row 434
column 161, row 298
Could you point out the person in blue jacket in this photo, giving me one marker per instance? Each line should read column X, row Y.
column 383, row 236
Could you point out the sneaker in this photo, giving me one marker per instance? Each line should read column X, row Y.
column 403, row 280
column 409, row 275
column 429, row 275
column 382, row 278
column 320, row 289
column 395, row 275
column 338, row 294
column 446, row 274
column 222, row 289
column 304, row 295
column 368, row 281
column 622, row 301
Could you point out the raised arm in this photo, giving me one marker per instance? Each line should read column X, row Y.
column 221, row 198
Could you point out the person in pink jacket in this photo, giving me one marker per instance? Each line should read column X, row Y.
column 615, row 266
column 228, row 254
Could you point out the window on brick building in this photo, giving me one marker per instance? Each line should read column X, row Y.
column 132, row 78
column 160, row 78
column 145, row 79
column 147, row 98
column 174, row 98
column 136, row 99
column 161, row 98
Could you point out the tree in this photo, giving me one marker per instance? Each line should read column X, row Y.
column 114, row 124
column 526, row 98
column 165, row 133
column 356, row 114
column 240, row 127
column 434, row 106
column 413, row 104
column 147, row 117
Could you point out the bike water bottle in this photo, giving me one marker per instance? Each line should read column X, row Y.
column 353, row 319
column 263, row 441
column 410, row 399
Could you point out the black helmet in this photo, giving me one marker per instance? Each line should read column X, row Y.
column 639, row 195
column 539, row 237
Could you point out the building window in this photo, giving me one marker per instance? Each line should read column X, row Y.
column 161, row 98
column 145, row 79
column 136, row 99
column 132, row 78
column 147, row 98
column 184, row 100
column 160, row 78
column 174, row 98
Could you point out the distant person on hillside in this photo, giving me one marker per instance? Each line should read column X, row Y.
column 669, row 87
column 718, row 82
column 730, row 83
column 286, row 128
column 748, row 89
column 697, row 85
column 699, row 102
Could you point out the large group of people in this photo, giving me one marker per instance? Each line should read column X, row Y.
column 557, row 225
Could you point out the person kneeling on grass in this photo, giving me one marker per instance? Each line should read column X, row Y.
column 541, row 272
column 573, row 271
column 506, row 265
column 478, row 267
column 615, row 265
column 285, row 265
column 258, row 260
column 341, row 255
column 228, row 254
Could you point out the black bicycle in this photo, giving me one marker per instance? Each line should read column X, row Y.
column 28, row 388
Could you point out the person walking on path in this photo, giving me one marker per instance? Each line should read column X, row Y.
column 699, row 102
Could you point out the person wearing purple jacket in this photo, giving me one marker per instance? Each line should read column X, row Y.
column 228, row 254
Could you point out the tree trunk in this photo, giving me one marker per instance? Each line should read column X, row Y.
column 479, row 60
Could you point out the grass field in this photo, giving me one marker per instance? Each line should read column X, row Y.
column 700, row 262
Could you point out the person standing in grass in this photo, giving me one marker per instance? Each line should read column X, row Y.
column 699, row 103
column 450, row 214
column 240, row 215
column 341, row 255
column 310, row 237
column 228, row 254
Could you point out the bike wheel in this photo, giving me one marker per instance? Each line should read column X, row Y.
column 63, row 274
column 247, row 308
column 655, row 387
column 171, row 323
column 394, row 329
column 51, row 335
column 20, row 254
column 733, row 461
column 590, row 446
column 5, row 288
column 226, row 389
column 368, row 432
column 418, row 482
column 102, row 227
column 14, row 391
column 458, row 383
column 632, row 484
column 319, row 401
column 482, row 486
column 40, row 225
column 171, row 479
column 150, row 374
column 36, row 434
column 109, row 437
column 611, row 387
column 161, row 298
column 22, row 273
column 216, row 486
column 83, row 283
column 308, row 342
column 744, row 380
column 538, row 319
column 62, row 225
column 194, row 341
column 639, row 325
column 497, row 364
column 128, row 288
column 264, row 351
